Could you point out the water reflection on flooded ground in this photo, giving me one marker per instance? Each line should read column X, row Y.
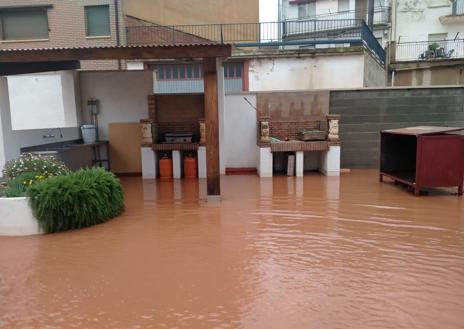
column 276, row 253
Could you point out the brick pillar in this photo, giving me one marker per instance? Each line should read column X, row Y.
column 152, row 107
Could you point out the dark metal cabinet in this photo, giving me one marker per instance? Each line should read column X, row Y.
column 423, row 157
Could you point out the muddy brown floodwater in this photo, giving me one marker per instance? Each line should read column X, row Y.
column 276, row 253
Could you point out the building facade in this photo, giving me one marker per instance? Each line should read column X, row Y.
column 343, row 10
column 63, row 23
column 288, row 49
column 186, row 12
column 428, row 43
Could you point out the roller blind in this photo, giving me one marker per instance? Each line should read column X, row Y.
column 97, row 20
column 24, row 24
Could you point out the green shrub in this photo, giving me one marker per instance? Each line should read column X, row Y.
column 17, row 187
column 42, row 164
column 79, row 199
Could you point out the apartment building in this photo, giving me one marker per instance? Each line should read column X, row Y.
column 343, row 11
column 428, row 42
column 63, row 23
column 187, row 12
column 272, row 51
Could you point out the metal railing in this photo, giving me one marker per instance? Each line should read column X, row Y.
column 429, row 50
column 332, row 29
column 285, row 33
column 458, row 7
column 381, row 15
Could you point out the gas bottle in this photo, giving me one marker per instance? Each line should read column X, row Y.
column 190, row 166
column 165, row 166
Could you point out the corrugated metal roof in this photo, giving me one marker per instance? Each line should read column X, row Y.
column 180, row 45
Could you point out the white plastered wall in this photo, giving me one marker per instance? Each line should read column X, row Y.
column 42, row 100
column 305, row 73
column 122, row 96
column 240, row 131
column 416, row 20
column 11, row 141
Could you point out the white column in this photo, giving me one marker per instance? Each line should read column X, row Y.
column 149, row 163
column 176, row 164
column 202, row 162
column 264, row 162
column 269, row 12
column 352, row 5
column 221, row 114
column 299, row 165
column 149, row 189
column 330, row 161
column 4, row 111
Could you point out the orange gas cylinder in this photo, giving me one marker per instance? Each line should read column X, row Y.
column 165, row 166
column 190, row 166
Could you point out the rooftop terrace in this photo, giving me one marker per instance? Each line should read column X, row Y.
column 317, row 33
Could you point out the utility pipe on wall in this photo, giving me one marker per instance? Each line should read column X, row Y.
column 370, row 16
column 116, row 21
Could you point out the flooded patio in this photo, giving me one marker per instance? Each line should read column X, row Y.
column 315, row 252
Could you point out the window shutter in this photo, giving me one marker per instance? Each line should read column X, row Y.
column 98, row 20
column 24, row 24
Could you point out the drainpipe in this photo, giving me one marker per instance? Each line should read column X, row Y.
column 116, row 21
column 370, row 15
column 393, row 42
column 393, row 36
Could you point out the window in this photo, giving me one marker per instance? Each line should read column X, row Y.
column 23, row 23
column 233, row 70
column 434, row 37
column 97, row 20
column 306, row 10
column 195, row 71
column 343, row 5
column 438, row 3
column 179, row 71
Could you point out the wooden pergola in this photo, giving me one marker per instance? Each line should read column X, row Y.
column 21, row 61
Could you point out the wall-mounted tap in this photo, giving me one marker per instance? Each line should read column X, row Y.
column 49, row 134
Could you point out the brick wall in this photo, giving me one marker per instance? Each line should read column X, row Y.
column 290, row 129
column 66, row 21
column 177, row 113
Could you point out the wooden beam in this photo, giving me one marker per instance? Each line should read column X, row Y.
column 37, row 67
column 212, row 129
column 123, row 52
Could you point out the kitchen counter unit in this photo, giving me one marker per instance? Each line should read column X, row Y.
column 75, row 154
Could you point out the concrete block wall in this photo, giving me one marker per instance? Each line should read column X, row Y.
column 364, row 113
column 67, row 28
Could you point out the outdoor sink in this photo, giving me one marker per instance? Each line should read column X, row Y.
column 45, row 152
column 74, row 154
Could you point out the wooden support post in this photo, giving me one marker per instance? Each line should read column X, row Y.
column 212, row 129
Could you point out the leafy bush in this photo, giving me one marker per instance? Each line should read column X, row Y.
column 17, row 187
column 79, row 199
column 434, row 46
column 43, row 165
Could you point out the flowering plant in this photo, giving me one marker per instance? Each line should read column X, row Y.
column 45, row 166
column 17, row 187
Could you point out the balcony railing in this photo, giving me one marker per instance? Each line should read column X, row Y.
column 286, row 33
column 429, row 50
column 458, row 7
column 381, row 15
